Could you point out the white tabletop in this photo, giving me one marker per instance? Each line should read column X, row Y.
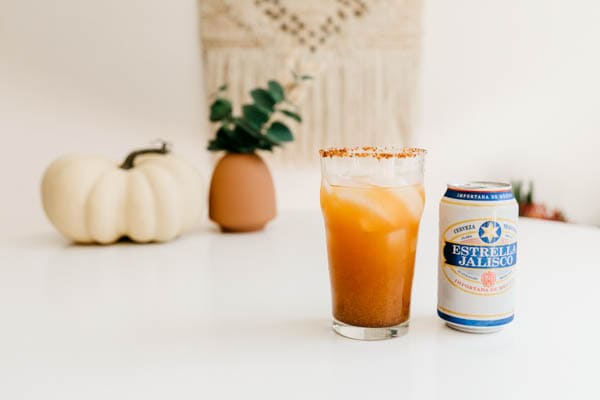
column 248, row 316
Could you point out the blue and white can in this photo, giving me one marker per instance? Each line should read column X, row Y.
column 478, row 256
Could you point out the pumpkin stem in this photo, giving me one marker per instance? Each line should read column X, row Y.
column 130, row 160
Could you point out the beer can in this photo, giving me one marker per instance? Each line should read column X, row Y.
column 478, row 256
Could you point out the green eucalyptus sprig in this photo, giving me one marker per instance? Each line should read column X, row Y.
column 258, row 127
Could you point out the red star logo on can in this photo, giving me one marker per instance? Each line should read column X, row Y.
column 488, row 278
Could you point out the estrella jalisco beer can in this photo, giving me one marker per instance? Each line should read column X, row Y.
column 478, row 256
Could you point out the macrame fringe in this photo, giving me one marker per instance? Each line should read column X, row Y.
column 362, row 98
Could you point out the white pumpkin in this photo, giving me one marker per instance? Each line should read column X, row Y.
column 152, row 196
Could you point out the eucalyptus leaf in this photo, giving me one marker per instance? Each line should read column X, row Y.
column 279, row 132
column 223, row 140
column 255, row 116
column 225, row 135
column 215, row 145
column 292, row 115
column 276, row 91
column 247, row 142
column 263, row 99
column 220, row 109
column 241, row 123
column 266, row 145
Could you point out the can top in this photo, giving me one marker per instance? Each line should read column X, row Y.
column 481, row 186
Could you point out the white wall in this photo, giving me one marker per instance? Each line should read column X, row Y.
column 99, row 77
column 509, row 89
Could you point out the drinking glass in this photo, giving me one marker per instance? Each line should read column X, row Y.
column 372, row 199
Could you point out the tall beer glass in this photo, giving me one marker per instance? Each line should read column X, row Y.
column 372, row 199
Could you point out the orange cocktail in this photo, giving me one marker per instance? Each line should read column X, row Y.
column 372, row 205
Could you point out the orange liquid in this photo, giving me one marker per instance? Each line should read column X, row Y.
column 371, row 239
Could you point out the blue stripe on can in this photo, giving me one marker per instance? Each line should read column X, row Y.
column 479, row 196
column 475, row 322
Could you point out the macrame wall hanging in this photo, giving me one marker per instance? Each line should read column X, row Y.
column 363, row 54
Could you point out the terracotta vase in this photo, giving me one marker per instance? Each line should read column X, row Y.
column 242, row 195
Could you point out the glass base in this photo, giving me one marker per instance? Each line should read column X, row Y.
column 363, row 333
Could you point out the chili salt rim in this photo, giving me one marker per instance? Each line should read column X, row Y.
column 372, row 151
